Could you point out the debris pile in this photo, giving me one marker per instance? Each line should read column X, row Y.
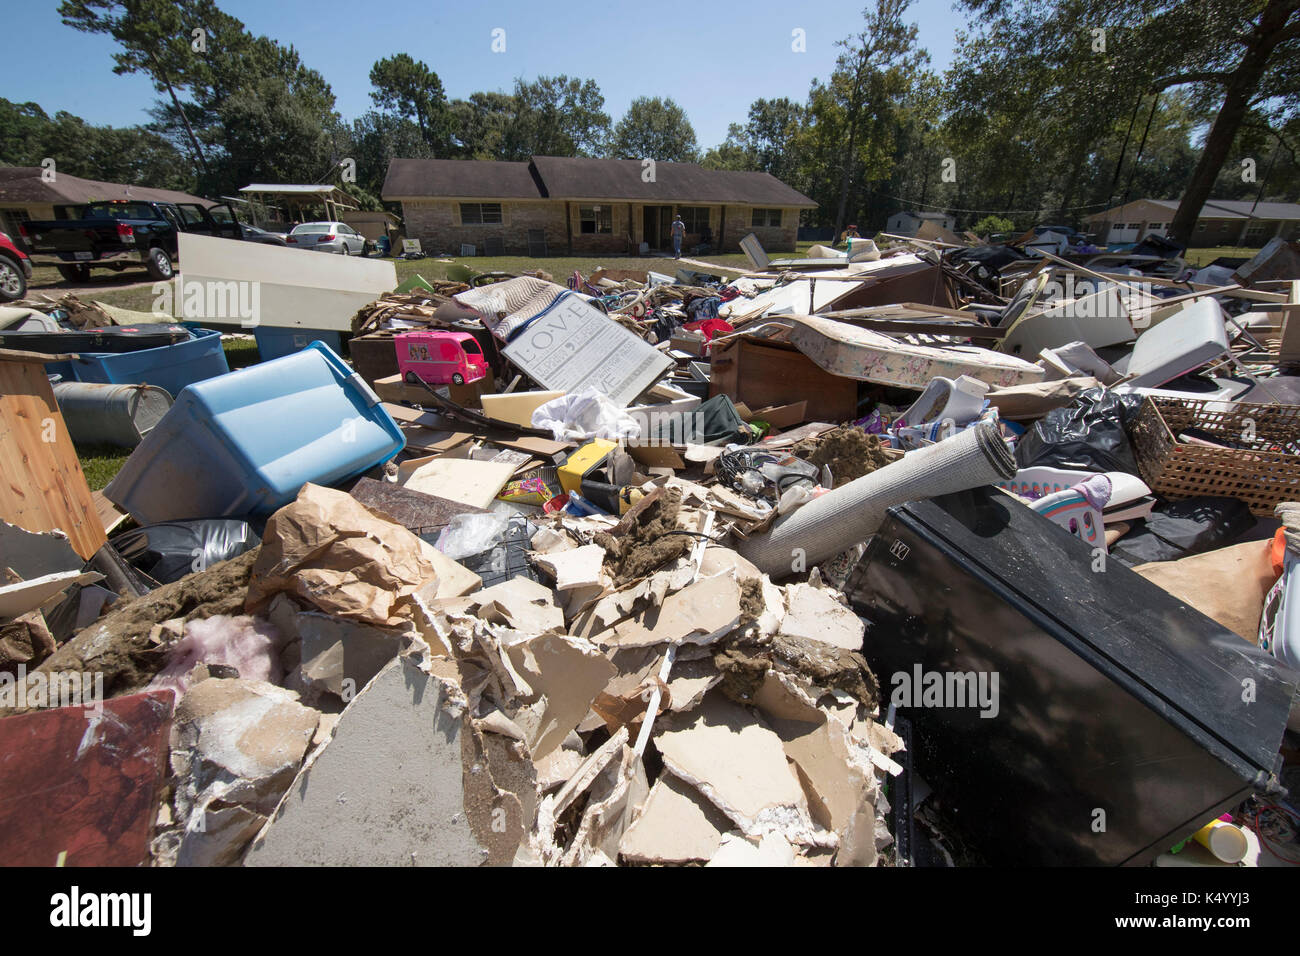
column 808, row 565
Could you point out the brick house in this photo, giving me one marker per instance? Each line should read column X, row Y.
column 577, row 206
column 1223, row 222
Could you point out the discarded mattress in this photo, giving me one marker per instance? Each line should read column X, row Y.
column 868, row 356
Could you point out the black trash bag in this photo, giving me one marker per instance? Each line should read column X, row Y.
column 1088, row 435
column 1178, row 529
column 172, row 549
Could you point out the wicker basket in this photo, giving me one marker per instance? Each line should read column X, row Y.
column 1261, row 469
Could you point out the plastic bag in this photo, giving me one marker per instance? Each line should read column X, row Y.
column 170, row 550
column 1177, row 529
column 584, row 415
column 1088, row 435
column 468, row 534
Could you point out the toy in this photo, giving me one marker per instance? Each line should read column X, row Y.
column 438, row 358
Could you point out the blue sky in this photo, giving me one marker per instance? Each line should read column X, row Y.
column 713, row 58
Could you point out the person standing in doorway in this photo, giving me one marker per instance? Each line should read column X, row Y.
column 679, row 233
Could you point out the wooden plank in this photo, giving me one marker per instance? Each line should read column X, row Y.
column 110, row 515
column 760, row 374
column 44, row 487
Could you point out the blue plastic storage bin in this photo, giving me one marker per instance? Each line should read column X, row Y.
column 172, row 367
column 245, row 443
column 274, row 342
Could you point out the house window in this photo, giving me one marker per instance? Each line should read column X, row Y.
column 596, row 220
column 1223, row 225
column 695, row 218
column 480, row 213
column 1201, row 224
column 765, row 217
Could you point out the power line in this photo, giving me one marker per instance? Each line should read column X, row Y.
column 994, row 211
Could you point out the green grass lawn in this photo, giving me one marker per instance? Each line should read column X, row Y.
column 1203, row 257
column 101, row 463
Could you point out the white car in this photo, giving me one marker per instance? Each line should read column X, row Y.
column 336, row 237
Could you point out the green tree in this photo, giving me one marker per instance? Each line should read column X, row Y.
column 654, row 128
column 992, row 224
column 410, row 89
column 854, row 117
column 481, row 124
column 1236, row 58
column 556, row 116
column 156, row 38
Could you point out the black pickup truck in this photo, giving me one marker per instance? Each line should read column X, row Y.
column 118, row 234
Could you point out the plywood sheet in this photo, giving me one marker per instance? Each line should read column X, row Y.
column 44, row 488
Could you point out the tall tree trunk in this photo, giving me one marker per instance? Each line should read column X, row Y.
column 855, row 107
column 1240, row 87
column 194, row 140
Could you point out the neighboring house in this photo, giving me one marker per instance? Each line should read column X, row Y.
column 25, row 195
column 1223, row 222
column 563, row 206
column 906, row 223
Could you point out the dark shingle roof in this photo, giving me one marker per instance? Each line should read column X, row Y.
column 23, row 184
column 554, row 177
column 459, row 178
column 580, row 178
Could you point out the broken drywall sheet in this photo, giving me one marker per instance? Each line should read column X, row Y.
column 676, row 825
column 815, row 615
column 387, row 790
column 236, row 746
column 34, row 554
column 699, row 614
column 575, row 567
column 740, row 765
column 520, row 603
column 340, row 657
column 772, row 850
column 469, row 482
column 615, row 797
column 567, row 673
column 839, row 784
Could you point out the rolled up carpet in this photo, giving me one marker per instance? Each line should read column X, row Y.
column 841, row 518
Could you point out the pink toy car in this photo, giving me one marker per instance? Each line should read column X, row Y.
column 440, row 357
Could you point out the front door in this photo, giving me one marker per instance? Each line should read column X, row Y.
column 657, row 224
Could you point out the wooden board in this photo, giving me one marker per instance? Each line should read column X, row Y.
column 421, row 513
column 44, row 487
column 761, row 374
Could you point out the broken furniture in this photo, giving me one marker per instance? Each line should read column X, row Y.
column 760, row 373
column 1123, row 719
